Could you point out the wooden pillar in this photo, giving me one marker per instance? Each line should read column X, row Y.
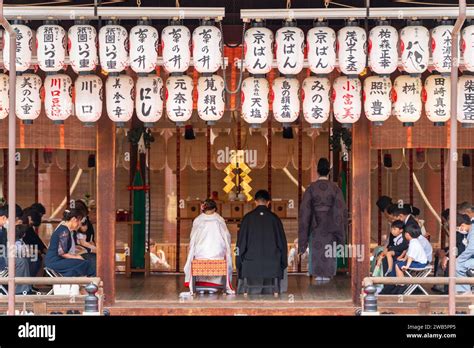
column 443, row 193
column 68, row 178
column 360, row 204
column 379, row 194
column 106, row 206
column 178, row 196
column 5, row 174
column 410, row 171
column 208, row 162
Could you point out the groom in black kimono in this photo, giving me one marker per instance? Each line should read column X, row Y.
column 261, row 250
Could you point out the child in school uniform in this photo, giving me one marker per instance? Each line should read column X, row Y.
column 415, row 256
column 396, row 247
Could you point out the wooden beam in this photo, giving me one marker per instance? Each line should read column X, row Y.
column 106, row 206
column 360, row 204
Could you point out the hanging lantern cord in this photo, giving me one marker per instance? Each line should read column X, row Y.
column 239, row 85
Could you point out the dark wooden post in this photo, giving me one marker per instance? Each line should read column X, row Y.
column 360, row 204
column 106, row 206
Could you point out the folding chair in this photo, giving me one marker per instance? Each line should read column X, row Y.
column 208, row 268
column 53, row 274
column 417, row 273
column 3, row 274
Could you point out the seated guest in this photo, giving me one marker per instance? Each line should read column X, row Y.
column 415, row 256
column 22, row 261
column 4, row 231
column 32, row 219
column 465, row 261
column 395, row 248
column 425, row 243
column 60, row 256
column 466, row 208
column 261, row 251
column 404, row 214
column 84, row 237
column 209, row 240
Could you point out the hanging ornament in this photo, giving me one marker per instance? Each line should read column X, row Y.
column 441, row 47
column 113, row 48
column 4, row 96
column 149, row 99
column 406, row 99
column 467, row 47
column 24, row 47
column 143, row 48
column 437, row 98
column 414, row 48
column 51, row 46
column 58, row 97
column 376, row 96
column 82, row 42
column 28, row 99
column 179, row 98
column 175, row 41
column 119, row 95
column 289, row 48
column 351, row 44
column 207, row 53
column 466, row 101
column 88, row 91
column 254, row 99
column 211, row 98
column 321, row 47
column 258, row 42
column 346, row 96
column 383, row 50
column 286, row 102
column 316, row 102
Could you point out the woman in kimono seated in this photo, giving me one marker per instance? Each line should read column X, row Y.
column 209, row 240
column 61, row 256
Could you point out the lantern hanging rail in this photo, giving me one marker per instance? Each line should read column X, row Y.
column 356, row 13
column 79, row 12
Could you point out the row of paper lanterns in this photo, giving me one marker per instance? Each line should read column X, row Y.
column 117, row 48
column 316, row 98
column 138, row 49
column 350, row 46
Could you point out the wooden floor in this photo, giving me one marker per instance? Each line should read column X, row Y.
column 159, row 295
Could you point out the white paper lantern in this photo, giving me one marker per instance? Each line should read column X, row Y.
column 286, row 102
column 258, row 43
column 24, row 47
column 441, row 48
column 347, row 102
column 143, row 48
column 289, row 49
column 4, row 96
column 466, row 101
column 437, row 98
column 119, row 96
column 321, row 47
column 82, row 42
column 175, row 41
column 351, row 43
column 414, row 49
column 406, row 98
column 149, row 99
column 88, row 98
column 383, row 49
column 467, row 47
column 211, row 98
column 113, row 48
column 179, row 98
column 254, row 99
column 28, row 99
column 51, row 51
column 58, row 97
column 207, row 53
column 377, row 98
column 316, row 100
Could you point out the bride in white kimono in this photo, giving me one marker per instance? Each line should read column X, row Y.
column 210, row 240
